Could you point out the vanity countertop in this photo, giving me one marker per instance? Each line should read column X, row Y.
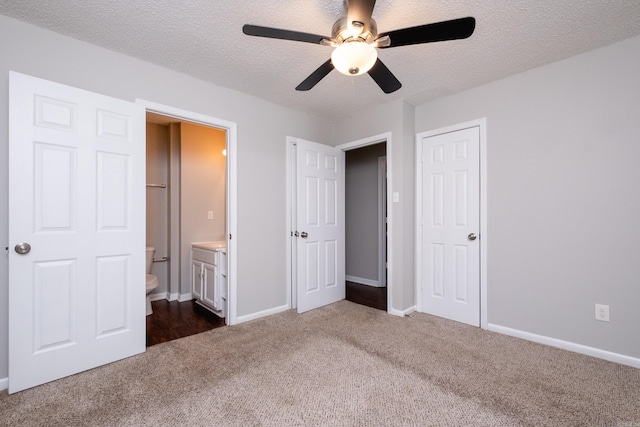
column 211, row 246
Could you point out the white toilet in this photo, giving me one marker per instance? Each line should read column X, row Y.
column 152, row 281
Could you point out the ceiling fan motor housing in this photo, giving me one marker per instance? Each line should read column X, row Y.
column 341, row 31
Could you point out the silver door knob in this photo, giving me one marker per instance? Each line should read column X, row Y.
column 471, row 236
column 304, row 235
column 23, row 248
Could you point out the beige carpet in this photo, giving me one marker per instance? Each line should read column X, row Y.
column 341, row 365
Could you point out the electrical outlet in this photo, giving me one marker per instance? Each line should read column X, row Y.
column 210, row 215
column 602, row 312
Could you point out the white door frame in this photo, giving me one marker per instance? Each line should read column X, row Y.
column 376, row 139
column 382, row 220
column 482, row 125
column 232, row 190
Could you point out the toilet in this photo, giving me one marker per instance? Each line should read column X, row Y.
column 152, row 281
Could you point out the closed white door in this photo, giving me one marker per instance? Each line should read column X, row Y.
column 320, row 242
column 449, row 218
column 76, row 197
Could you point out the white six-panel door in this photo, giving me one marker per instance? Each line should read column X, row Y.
column 76, row 196
column 320, row 225
column 449, row 225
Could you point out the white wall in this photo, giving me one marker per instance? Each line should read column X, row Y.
column 563, row 148
column 262, row 131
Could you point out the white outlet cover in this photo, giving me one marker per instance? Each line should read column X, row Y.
column 602, row 312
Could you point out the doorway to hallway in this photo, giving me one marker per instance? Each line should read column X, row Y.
column 366, row 225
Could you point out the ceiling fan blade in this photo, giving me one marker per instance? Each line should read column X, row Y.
column 384, row 78
column 440, row 31
column 276, row 33
column 360, row 11
column 316, row 76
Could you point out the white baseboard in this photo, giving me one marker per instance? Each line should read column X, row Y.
column 269, row 312
column 402, row 313
column 4, row 383
column 157, row 297
column 185, row 297
column 363, row 281
column 566, row 345
column 171, row 297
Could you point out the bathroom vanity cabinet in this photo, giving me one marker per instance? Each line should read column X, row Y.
column 209, row 275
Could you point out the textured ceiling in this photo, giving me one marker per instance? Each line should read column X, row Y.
column 204, row 38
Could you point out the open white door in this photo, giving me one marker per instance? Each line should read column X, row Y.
column 320, row 225
column 76, row 197
column 449, row 230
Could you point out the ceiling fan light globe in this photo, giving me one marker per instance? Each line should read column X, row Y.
column 354, row 58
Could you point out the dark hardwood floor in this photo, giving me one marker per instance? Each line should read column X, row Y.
column 367, row 295
column 172, row 320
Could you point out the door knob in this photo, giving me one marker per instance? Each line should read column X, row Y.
column 23, row 248
column 304, row 235
column 471, row 236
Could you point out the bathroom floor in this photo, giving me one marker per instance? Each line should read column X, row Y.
column 172, row 320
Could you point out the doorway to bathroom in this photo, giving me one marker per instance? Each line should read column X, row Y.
column 187, row 201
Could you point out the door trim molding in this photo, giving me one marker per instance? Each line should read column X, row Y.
column 382, row 221
column 482, row 125
column 232, row 189
column 385, row 137
column 290, row 256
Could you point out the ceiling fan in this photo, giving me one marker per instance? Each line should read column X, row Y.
column 356, row 40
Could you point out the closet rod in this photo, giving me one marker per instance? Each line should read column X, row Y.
column 157, row 185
